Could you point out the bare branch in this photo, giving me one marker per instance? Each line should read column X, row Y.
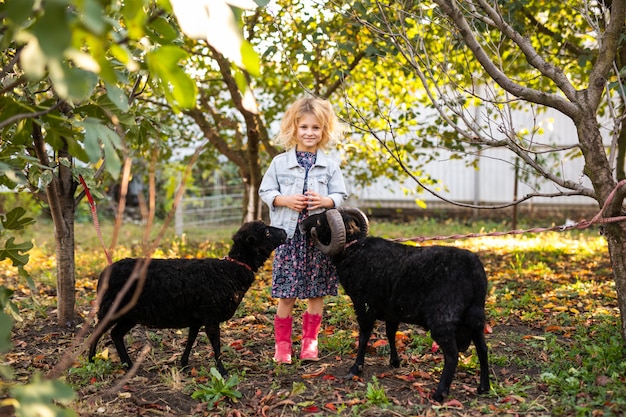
column 451, row 8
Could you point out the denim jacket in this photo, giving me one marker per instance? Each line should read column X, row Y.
column 285, row 177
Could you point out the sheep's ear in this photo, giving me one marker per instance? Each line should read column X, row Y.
column 337, row 234
column 360, row 218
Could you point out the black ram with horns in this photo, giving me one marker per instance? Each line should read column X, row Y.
column 440, row 288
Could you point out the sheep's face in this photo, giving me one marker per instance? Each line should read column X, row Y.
column 330, row 230
column 319, row 224
column 260, row 236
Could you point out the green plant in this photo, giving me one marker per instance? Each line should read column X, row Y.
column 217, row 389
column 376, row 394
column 340, row 342
column 88, row 372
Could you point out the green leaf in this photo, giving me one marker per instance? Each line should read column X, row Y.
column 19, row 10
column 39, row 398
column 78, row 83
column 250, row 59
column 13, row 251
column 93, row 16
column 6, row 324
column 15, row 220
column 178, row 87
column 134, row 17
column 53, row 30
column 164, row 30
column 97, row 134
column 117, row 96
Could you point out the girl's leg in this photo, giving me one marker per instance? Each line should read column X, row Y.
column 311, row 323
column 285, row 307
column 283, row 322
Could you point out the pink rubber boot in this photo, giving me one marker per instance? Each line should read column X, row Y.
column 311, row 324
column 282, row 335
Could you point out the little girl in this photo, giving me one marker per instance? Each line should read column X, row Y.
column 299, row 182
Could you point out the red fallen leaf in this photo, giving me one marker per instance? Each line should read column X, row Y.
column 201, row 379
column 93, row 380
column 488, row 329
column 330, row 406
column 407, row 378
column 194, row 372
column 237, row 344
column 434, row 348
column 311, row 409
column 329, row 377
column 513, row 399
column 420, row 374
column 553, row 329
column 379, row 342
column 453, row 403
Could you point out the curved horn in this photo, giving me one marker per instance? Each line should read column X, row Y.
column 360, row 217
column 337, row 234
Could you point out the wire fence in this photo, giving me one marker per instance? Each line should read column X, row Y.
column 223, row 207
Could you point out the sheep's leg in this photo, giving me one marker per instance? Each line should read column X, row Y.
column 365, row 331
column 213, row 332
column 391, row 329
column 96, row 339
column 191, row 338
column 481, row 350
column 447, row 343
column 117, row 334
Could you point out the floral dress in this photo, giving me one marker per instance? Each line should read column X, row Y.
column 301, row 270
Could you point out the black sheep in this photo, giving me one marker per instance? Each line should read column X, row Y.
column 440, row 288
column 181, row 293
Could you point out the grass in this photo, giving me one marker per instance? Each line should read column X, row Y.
column 556, row 348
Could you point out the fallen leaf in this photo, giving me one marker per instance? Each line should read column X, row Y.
column 379, row 342
column 237, row 344
column 453, row 404
column 602, row 380
column 315, row 373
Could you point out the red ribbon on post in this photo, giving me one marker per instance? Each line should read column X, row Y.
column 94, row 216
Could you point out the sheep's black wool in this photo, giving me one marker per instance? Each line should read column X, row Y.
column 440, row 288
column 180, row 293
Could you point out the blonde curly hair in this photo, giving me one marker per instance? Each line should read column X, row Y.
column 332, row 128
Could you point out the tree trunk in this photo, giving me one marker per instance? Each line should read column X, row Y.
column 66, row 293
column 60, row 194
column 615, row 234
column 252, row 202
column 599, row 172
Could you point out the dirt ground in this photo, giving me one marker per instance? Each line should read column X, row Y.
column 161, row 388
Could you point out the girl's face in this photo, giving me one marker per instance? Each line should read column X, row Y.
column 309, row 133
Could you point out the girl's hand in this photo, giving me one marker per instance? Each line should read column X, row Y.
column 297, row 202
column 316, row 201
